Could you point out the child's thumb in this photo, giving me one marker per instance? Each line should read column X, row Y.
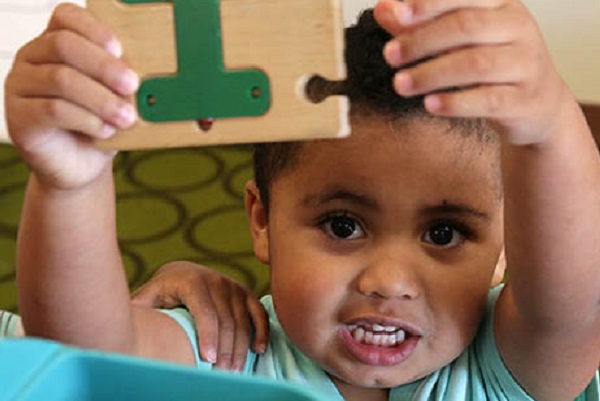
column 148, row 296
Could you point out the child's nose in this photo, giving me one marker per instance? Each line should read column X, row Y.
column 391, row 273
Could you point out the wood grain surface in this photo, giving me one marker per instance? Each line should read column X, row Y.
column 290, row 41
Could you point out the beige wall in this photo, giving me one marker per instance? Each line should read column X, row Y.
column 572, row 30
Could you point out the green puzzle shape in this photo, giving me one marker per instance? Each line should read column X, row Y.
column 202, row 87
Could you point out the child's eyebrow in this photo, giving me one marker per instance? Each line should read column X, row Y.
column 445, row 207
column 326, row 196
column 455, row 208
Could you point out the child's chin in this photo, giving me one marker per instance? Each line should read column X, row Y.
column 377, row 378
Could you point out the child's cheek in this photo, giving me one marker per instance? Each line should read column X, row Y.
column 459, row 311
column 307, row 286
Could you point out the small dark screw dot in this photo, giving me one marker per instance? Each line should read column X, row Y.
column 205, row 124
column 255, row 92
column 151, row 100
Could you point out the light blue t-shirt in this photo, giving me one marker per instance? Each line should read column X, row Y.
column 478, row 374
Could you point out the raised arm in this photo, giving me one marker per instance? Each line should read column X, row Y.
column 547, row 320
column 66, row 88
column 548, row 325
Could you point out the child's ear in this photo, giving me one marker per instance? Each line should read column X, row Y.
column 259, row 227
column 500, row 270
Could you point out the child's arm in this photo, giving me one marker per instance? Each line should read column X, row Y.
column 226, row 314
column 548, row 317
column 67, row 87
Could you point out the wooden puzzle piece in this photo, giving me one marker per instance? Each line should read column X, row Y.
column 243, row 63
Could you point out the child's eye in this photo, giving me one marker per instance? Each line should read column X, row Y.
column 443, row 235
column 342, row 227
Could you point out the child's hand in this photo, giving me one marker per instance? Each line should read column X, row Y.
column 223, row 310
column 66, row 88
column 484, row 58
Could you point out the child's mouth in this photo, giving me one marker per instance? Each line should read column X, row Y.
column 377, row 344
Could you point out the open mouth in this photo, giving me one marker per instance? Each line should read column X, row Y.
column 379, row 344
column 378, row 335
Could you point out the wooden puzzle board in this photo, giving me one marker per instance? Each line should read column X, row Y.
column 289, row 40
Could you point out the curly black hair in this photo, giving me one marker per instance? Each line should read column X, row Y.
column 369, row 80
column 369, row 89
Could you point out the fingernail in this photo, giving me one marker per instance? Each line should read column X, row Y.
column 114, row 47
column 261, row 349
column 391, row 53
column 404, row 13
column 129, row 82
column 211, row 355
column 403, row 83
column 126, row 115
column 433, row 103
column 107, row 131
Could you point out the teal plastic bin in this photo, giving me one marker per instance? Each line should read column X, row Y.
column 38, row 370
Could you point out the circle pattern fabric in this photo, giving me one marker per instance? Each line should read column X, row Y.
column 174, row 204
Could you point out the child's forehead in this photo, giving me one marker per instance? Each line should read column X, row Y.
column 418, row 133
column 431, row 150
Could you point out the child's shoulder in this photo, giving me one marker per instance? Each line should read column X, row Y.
column 485, row 365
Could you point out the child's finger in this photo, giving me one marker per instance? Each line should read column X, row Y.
column 207, row 322
column 486, row 101
column 385, row 15
column 62, row 82
column 243, row 330
column 464, row 28
column 45, row 115
column 154, row 295
column 412, row 12
column 220, row 294
column 71, row 17
column 463, row 68
column 147, row 295
column 68, row 48
column 260, row 322
column 396, row 16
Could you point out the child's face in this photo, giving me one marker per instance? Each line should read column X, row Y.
column 383, row 236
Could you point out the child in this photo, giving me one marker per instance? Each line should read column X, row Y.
column 382, row 247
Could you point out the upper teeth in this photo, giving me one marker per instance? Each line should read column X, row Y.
column 386, row 336
column 377, row 327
